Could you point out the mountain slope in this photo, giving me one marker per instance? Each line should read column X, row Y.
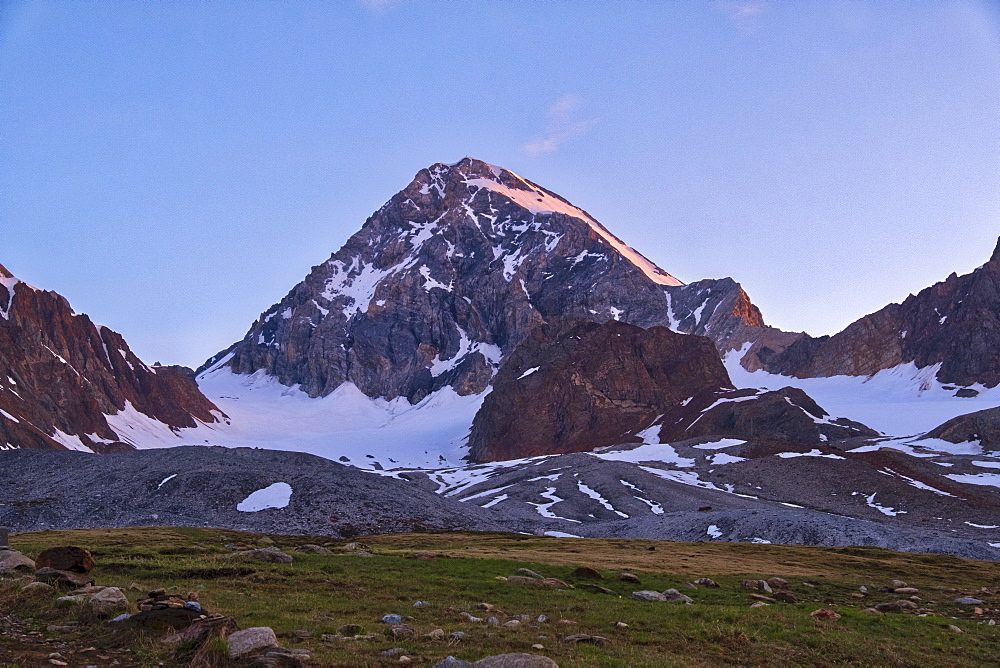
column 451, row 274
column 954, row 324
column 67, row 383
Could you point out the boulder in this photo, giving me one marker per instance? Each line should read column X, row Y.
column 825, row 614
column 242, row 643
column 587, row 638
column 968, row 600
column 280, row 657
column 674, row 596
column 310, row 548
column 706, row 582
column 586, row 573
column 648, row 595
column 629, row 577
column 107, row 601
column 757, row 585
column 267, row 554
column 70, row 601
column 37, row 589
column 161, row 619
column 62, row 578
column 216, row 626
column 786, row 597
column 67, row 558
column 12, row 561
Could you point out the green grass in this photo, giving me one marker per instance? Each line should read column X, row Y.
column 322, row 592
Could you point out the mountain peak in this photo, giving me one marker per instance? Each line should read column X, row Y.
column 995, row 259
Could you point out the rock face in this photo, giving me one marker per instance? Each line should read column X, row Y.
column 576, row 386
column 451, row 274
column 62, row 378
column 982, row 426
column 955, row 323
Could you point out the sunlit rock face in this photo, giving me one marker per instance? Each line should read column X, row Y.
column 62, row 379
column 451, row 274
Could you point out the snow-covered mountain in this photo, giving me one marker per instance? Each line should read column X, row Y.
column 451, row 274
column 66, row 383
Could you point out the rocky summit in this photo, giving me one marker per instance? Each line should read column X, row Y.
column 451, row 274
column 66, row 383
column 954, row 324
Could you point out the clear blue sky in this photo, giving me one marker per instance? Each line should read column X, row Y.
column 174, row 168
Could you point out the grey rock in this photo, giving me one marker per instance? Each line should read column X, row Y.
column 37, row 588
column 249, row 640
column 528, row 572
column 452, row 662
column 674, row 596
column 968, row 600
column 107, row 601
column 648, row 595
column 12, row 561
column 392, row 619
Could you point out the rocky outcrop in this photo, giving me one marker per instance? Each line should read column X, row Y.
column 981, row 426
column 574, row 386
column 788, row 414
column 451, row 274
column 61, row 377
column 954, row 323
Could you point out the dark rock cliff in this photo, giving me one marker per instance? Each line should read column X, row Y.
column 61, row 376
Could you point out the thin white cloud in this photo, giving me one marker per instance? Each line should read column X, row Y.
column 562, row 126
column 744, row 14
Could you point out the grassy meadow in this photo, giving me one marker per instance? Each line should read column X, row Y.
column 456, row 572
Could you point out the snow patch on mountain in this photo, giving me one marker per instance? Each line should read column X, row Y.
column 901, row 401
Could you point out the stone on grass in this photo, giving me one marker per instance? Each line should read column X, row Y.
column 786, row 597
column 528, row 572
column 897, row 584
column 825, row 614
column 777, row 583
column 216, row 625
column 271, row 555
column 586, row 573
column 648, row 595
column 512, row 624
column 392, row 619
column 452, row 662
column 62, row 578
column 598, row 589
column 758, row 604
column 279, row 657
column 757, row 585
column 517, row 660
column 249, row 640
column 907, row 590
column 400, row 630
column 706, row 582
column 70, row 601
column 968, row 600
column 349, row 630
column 628, row 577
column 66, row 558
column 955, row 628
column 107, row 601
column 37, row 589
column 600, row 641
column 674, row 596
column 12, row 561
column 311, row 548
